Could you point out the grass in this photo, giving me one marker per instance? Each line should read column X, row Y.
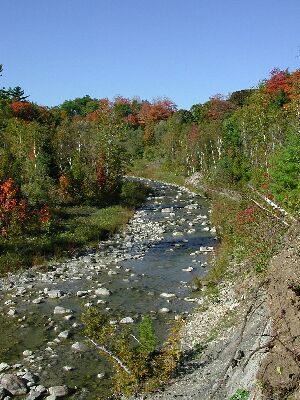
column 156, row 171
column 72, row 229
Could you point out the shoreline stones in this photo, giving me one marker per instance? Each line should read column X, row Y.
column 109, row 271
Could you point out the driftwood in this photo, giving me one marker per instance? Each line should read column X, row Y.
column 272, row 204
column 108, row 352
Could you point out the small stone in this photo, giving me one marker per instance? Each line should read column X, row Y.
column 101, row 375
column 36, row 393
column 28, row 376
column 126, row 320
column 27, row 353
column 59, row 391
column 39, row 300
column 80, row 347
column 167, row 295
column 54, row 293
column 164, row 310
column 4, row 367
column 61, row 310
column 68, row 368
column 189, row 269
column 64, row 335
column 102, row 292
column 12, row 312
column 81, row 293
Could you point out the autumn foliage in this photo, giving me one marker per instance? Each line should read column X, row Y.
column 12, row 210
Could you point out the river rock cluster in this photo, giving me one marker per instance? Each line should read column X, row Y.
column 146, row 268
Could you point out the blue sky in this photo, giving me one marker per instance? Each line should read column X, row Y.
column 187, row 50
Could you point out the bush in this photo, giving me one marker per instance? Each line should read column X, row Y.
column 139, row 364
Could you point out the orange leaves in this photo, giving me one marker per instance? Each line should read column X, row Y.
column 44, row 215
column 154, row 112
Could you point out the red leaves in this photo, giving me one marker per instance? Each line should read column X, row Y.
column 218, row 107
column 14, row 214
column 100, row 171
column 10, row 207
column 282, row 80
column 24, row 110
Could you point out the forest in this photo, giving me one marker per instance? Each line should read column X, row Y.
column 61, row 164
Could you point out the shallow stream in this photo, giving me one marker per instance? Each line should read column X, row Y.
column 165, row 245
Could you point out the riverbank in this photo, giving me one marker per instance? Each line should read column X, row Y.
column 239, row 345
column 70, row 230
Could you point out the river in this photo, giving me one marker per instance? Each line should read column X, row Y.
column 156, row 256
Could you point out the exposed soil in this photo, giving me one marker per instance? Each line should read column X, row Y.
column 280, row 370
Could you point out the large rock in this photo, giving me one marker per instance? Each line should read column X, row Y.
column 13, row 384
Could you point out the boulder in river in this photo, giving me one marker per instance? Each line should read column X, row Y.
column 13, row 384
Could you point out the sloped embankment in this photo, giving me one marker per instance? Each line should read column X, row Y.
column 280, row 370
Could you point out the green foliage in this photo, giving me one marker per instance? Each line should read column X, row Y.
column 285, row 174
column 148, row 366
column 147, row 335
column 133, row 194
column 79, row 106
column 240, row 394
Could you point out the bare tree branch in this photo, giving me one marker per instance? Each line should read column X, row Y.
column 105, row 350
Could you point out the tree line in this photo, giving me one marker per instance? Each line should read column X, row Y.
column 77, row 153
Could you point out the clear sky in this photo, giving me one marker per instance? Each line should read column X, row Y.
column 187, row 50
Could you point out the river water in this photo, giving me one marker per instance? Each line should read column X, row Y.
column 160, row 251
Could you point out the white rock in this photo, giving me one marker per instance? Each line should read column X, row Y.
column 102, row 292
column 164, row 310
column 64, row 334
column 189, row 269
column 126, row 320
column 61, row 310
column 4, row 367
column 80, row 347
column 167, row 295
column 53, row 294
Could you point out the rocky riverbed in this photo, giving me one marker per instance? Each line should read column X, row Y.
column 146, row 269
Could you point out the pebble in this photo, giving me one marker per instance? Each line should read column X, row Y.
column 102, row 292
column 4, row 367
column 64, row 335
column 80, row 347
column 164, row 310
column 59, row 391
column 61, row 310
column 126, row 320
column 167, row 295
